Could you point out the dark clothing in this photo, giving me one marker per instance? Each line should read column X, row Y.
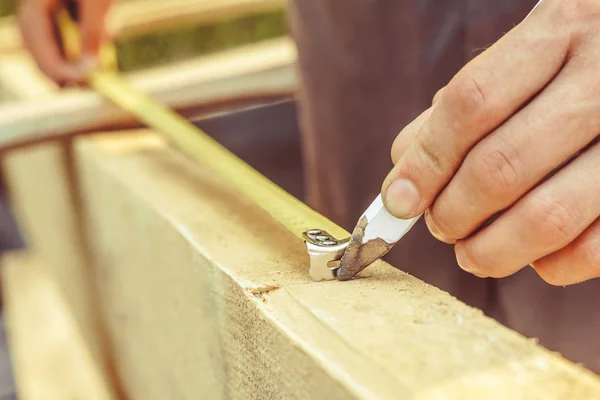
column 370, row 67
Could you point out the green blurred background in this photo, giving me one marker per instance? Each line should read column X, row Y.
column 189, row 41
column 7, row 7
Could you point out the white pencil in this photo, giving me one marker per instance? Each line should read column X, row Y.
column 375, row 234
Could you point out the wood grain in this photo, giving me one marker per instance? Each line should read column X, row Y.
column 201, row 295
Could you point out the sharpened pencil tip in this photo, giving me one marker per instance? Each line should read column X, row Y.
column 359, row 255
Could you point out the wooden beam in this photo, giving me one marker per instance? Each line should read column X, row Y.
column 20, row 79
column 55, row 181
column 204, row 295
column 51, row 361
column 23, row 82
column 254, row 69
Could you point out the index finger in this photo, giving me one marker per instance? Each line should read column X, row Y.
column 484, row 94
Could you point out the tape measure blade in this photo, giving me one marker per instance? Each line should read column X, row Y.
column 290, row 212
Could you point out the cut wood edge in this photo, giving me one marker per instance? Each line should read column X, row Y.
column 382, row 336
column 50, row 358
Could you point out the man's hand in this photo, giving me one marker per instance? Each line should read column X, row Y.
column 36, row 20
column 514, row 139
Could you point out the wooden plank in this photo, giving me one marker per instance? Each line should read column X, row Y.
column 205, row 296
column 45, row 175
column 23, row 82
column 20, row 79
column 53, row 184
column 50, row 359
column 253, row 69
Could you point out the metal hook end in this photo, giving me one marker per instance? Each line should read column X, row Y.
column 325, row 253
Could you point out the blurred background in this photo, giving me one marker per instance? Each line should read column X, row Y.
column 228, row 65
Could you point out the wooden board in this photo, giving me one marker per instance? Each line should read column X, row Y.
column 204, row 296
column 50, row 359
column 21, row 80
column 44, row 184
column 254, row 69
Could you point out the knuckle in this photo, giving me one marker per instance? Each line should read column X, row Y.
column 429, row 154
column 552, row 221
column 466, row 96
column 577, row 10
column 437, row 96
column 496, row 173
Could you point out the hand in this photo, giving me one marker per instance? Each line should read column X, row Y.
column 514, row 139
column 36, row 21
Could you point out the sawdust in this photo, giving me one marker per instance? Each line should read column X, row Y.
column 358, row 256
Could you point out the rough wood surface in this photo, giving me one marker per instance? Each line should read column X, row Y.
column 205, row 296
column 51, row 361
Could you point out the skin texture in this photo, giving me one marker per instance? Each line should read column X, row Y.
column 39, row 34
column 505, row 163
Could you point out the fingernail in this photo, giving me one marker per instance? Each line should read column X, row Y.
column 402, row 198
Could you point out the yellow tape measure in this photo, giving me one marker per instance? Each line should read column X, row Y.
column 319, row 233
